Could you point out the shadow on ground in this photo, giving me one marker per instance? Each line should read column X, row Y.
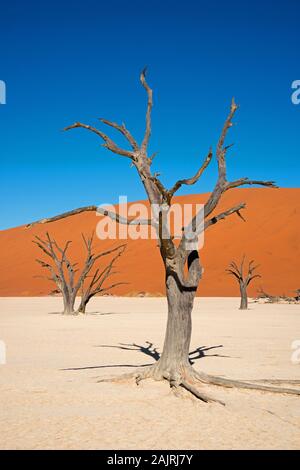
column 91, row 313
column 151, row 351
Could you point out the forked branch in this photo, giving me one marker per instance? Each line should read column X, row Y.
column 222, row 185
column 97, row 283
column 109, row 143
column 122, row 129
column 193, row 179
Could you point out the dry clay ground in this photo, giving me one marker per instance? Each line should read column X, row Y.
column 50, row 397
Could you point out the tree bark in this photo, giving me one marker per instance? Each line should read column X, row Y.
column 69, row 302
column 83, row 304
column 175, row 355
column 180, row 291
column 244, row 297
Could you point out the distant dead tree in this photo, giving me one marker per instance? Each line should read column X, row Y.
column 180, row 259
column 68, row 279
column 97, row 284
column 244, row 275
column 269, row 298
column 273, row 299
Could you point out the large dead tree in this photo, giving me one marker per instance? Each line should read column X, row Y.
column 244, row 276
column 66, row 274
column 181, row 261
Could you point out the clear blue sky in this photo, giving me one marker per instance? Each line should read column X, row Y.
column 73, row 60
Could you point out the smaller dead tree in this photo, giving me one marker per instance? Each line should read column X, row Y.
column 244, row 277
column 66, row 275
column 97, row 284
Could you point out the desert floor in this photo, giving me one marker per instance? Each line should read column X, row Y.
column 50, row 397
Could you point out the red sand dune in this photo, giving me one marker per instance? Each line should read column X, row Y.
column 270, row 236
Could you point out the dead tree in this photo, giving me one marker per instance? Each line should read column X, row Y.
column 244, row 277
column 181, row 285
column 62, row 270
column 273, row 299
column 268, row 297
column 97, row 284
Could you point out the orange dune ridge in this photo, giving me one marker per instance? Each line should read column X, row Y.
column 270, row 236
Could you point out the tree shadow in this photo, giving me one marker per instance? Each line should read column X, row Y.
column 200, row 352
column 151, row 351
column 106, row 313
column 98, row 314
column 107, row 366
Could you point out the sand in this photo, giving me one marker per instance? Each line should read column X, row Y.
column 270, row 236
column 50, row 398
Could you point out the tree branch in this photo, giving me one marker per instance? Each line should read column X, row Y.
column 244, row 278
column 148, row 113
column 69, row 265
column 223, row 215
column 244, row 181
column 233, row 273
column 194, row 178
column 63, row 215
column 100, row 210
column 123, row 220
column 109, row 143
column 221, row 159
column 47, row 246
column 124, row 131
column 54, row 276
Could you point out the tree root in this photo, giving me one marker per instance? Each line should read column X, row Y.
column 175, row 381
column 138, row 375
column 202, row 396
column 188, row 379
column 220, row 381
column 278, row 381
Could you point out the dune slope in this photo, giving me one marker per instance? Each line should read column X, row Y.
column 270, row 236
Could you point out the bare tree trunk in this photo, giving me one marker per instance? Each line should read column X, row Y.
column 181, row 289
column 175, row 356
column 69, row 302
column 244, row 297
column 83, row 304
